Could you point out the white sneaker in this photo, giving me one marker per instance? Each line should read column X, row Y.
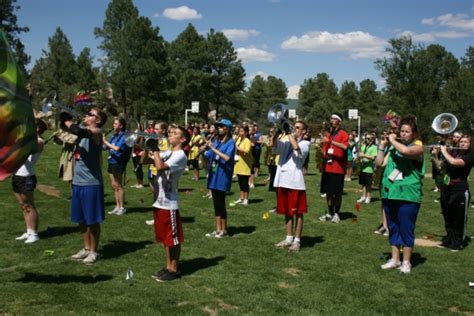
column 114, row 211
column 283, row 244
column 32, row 238
column 295, row 247
column 22, row 237
column 137, row 186
column 273, row 210
column 325, row 217
column 121, row 211
column 213, row 234
column 80, row 255
column 362, row 199
column 221, row 235
column 91, row 258
column 323, row 195
column 335, row 219
column 390, row 264
column 367, row 200
column 234, row 203
column 150, row 222
column 405, row 268
column 252, row 186
column 245, row 202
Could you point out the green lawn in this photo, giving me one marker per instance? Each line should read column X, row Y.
column 337, row 270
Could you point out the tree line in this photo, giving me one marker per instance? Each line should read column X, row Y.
column 143, row 76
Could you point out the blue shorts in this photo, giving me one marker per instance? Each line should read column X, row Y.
column 87, row 204
column 401, row 218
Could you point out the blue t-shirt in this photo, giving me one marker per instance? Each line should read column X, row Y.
column 117, row 156
column 220, row 171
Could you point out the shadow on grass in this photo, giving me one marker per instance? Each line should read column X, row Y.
column 148, row 209
column 58, row 231
column 346, row 215
column 190, row 266
column 310, row 241
column 185, row 189
column 189, row 219
column 117, row 248
column 254, row 201
column 232, row 231
column 63, row 278
column 416, row 258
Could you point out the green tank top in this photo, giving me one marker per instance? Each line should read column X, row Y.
column 410, row 187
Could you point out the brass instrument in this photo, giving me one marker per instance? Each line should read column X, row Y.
column 444, row 123
column 50, row 102
column 50, row 138
column 132, row 138
column 278, row 115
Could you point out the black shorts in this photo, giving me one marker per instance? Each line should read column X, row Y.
column 115, row 169
column 365, row 178
column 22, row 185
column 194, row 163
column 334, row 183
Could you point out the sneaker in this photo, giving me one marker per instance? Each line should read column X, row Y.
column 121, row 211
column 362, row 199
column 207, row 195
column 137, row 186
column 245, row 202
column 213, row 234
column 386, row 233
column 435, row 190
column 234, row 203
column 80, row 255
column 150, row 222
column 114, row 211
column 156, row 275
column 283, row 244
column 221, row 235
column 168, row 276
column 380, row 231
column 22, row 237
column 335, row 219
column 325, row 217
column 405, row 268
column 91, row 258
column 367, row 200
column 323, row 195
column 32, row 238
column 252, row 186
column 273, row 210
column 295, row 247
column 390, row 264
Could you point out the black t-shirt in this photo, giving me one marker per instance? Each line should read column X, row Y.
column 458, row 175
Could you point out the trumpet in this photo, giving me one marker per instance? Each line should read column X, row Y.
column 50, row 102
column 132, row 138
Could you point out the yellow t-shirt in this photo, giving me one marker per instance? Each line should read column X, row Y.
column 195, row 143
column 244, row 158
column 164, row 146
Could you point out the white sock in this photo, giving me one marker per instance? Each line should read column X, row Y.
column 297, row 240
column 30, row 231
column 289, row 239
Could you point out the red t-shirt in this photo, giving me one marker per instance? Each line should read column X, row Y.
column 339, row 156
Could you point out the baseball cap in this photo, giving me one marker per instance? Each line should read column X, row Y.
column 225, row 122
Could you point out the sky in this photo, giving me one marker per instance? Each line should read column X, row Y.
column 292, row 40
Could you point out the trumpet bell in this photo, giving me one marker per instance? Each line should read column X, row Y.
column 131, row 139
column 276, row 113
column 444, row 123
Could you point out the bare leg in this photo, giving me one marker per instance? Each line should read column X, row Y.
column 172, row 257
column 299, row 225
column 289, row 225
column 94, row 236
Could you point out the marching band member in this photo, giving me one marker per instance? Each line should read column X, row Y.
column 87, row 207
column 290, row 184
column 335, row 167
column 455, row 195
column 117, row 160
column 195, row 143
column 24, row 184
column 220, row 156
column 243, row 165
column 366, row 157
column 402, row 184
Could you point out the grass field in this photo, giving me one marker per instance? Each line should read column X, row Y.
column 336, row 272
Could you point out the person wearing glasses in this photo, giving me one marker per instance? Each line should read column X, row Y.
column 87, row 206
column 290, row 184
column 366, row 157
column 335, row 143
column 220, row 156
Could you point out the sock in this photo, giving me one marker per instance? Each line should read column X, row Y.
column 289, row 239
column 297, row 240
column 30, row 231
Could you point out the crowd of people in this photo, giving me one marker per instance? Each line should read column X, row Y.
column 394, row 162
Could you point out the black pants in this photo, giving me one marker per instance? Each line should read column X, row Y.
column 455, row 206
column 137, row 167
column 272, row 169
column 243, row 183
column 218, row 198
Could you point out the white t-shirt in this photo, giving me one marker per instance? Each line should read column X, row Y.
column 289, row 172
column 167, row 181
column 28, row 168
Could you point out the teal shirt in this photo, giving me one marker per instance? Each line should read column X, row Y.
column 410, row 187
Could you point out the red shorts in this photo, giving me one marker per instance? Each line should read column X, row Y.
column 168, row 228
column 291, row 202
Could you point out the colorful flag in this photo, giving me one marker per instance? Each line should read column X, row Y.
column 17, row 121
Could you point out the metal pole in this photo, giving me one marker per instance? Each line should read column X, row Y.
column 186, row 117
column 358, row 127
